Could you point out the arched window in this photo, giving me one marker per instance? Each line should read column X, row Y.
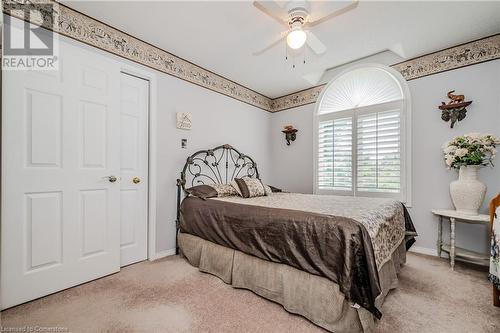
column 362, row 134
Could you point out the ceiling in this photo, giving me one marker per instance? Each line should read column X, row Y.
column 221, row 36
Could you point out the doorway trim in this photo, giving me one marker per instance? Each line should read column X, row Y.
column 152, row 149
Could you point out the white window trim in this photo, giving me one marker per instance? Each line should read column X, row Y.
column 406, row 146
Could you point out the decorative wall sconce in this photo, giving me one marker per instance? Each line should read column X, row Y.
column 290, row 134
column 454, row 110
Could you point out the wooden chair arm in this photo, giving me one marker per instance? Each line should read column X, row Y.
column 494, row 203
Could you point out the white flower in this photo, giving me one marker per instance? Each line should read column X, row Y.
column 474, row 135
column 450, row 149
column 483, row 147
column 449, row 160
column 461, row 152
column 490, row 139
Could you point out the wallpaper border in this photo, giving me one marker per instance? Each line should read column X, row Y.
column 459, row 56
column 83, row 28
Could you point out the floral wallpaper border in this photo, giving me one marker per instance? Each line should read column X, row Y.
column 83, row 28
column 467, row 54
column 303, row 97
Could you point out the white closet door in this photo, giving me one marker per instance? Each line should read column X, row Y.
column 134, row 110
column 60, row 142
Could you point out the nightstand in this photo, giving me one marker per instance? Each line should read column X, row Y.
column 455, row 252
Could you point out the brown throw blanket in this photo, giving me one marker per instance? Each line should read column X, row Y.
column 335, row 247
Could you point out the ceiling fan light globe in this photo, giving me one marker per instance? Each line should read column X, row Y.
column 296, row 39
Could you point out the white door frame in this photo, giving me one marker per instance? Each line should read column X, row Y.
column 151, row 78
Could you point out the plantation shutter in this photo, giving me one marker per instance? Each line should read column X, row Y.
column 379, row 152
column 361, row 136
column 335, row 154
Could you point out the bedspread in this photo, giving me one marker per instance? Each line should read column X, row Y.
column 344, row 239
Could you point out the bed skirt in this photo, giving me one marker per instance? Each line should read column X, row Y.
column 314, row 297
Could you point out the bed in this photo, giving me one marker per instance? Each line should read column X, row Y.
column 331, row 259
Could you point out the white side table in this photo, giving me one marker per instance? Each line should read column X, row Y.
column 454, row 251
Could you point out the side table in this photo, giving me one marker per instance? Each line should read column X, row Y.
column 455, row 252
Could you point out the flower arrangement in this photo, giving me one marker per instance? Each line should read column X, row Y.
column 470, row 149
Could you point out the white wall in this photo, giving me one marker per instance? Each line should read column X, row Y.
column 216, row 120
column 292, row 165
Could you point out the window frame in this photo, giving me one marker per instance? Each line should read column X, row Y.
column 404, row 105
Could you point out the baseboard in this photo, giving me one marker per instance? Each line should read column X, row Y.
column 424, row 250
column 163, row 254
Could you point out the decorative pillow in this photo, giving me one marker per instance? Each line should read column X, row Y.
column 224, row 190
column 234, row 184
column 212, row 191
column 202, row 191
column 268, row 190
column 250, row 187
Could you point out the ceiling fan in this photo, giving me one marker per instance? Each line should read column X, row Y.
column 297, row 18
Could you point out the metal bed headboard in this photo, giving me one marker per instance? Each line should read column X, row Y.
column 219, row 165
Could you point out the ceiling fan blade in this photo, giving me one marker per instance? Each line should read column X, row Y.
column 273, row 9
column 334, row 14
column 273, row 44
column 315, row 44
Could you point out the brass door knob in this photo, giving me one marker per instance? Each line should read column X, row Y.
column 136, row 180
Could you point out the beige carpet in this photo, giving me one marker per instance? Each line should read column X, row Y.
column 171, row 296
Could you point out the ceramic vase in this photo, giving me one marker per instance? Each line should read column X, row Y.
column 467, row 192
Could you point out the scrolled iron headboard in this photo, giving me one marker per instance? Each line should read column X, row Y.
column 219, row 165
